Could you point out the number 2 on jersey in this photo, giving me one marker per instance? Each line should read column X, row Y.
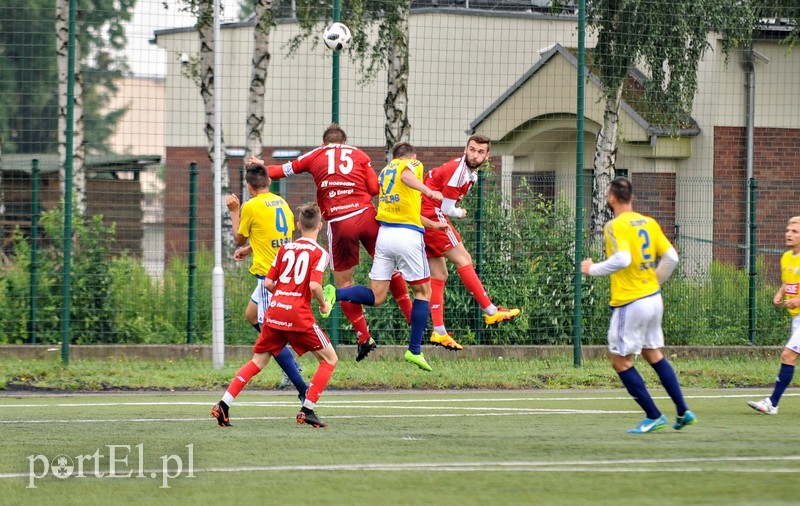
column 344, row 163
column 644, row 235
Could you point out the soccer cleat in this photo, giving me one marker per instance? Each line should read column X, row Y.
column 688, row 418
column 417, row 360
column 363, row 349
column 308, row 417
column 220, row 412
column 647, row 425
column 764, row 406
column 329, row 292
column 501, row 315
column 445, row 341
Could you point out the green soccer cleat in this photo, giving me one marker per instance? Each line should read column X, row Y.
column 688, row 418
column 329, row 292
column 417, row 360
column 647, row 425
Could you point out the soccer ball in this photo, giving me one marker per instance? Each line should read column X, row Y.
column 337, row 36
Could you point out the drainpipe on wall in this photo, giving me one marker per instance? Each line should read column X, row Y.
column 750, row 86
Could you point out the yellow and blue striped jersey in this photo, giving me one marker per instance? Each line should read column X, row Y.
column 399, row 205
column 643, row 238
column 790, row 276
column 268, row 221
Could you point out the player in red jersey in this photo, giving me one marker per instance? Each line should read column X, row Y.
column 294, row 278
column 454, row 179
column 346, row 185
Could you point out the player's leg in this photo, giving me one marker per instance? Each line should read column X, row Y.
column 240, row 379
column 285, row 359
column 625, row 341
column 769, row 405
column 440, row 336
column 320, row 346
column 409, row 250
column 368, row 235
column 461, row 258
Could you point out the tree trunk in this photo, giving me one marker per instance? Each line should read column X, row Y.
column 78, row 149
column 605, row 162
column 258, row 78
column 207, row 47
column 397, row 128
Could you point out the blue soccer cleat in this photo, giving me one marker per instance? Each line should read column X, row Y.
column 688, row 418
column 647, row 425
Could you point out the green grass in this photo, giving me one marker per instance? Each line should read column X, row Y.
column 403, row 447
column 384, row 372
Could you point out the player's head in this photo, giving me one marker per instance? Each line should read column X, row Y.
column 257, row 177
column 793, row 232
column 309, row 217
column 477, row 151
column 404, row 150
column 334, row 134
column 620, row 192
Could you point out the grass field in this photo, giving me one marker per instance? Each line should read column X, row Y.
column 397, row 447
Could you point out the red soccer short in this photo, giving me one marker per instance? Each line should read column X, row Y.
column 439, row 241
column 273, row 340
column 344, row 236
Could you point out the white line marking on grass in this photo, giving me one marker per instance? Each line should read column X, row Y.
column 588, row 466
column 333, row 402
column 332, row 417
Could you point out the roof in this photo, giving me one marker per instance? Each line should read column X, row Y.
column 48, row 162
column 557, row 49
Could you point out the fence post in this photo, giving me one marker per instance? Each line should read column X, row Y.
column 479, row 253
column 577, row 306
column 192, row 248
column 751, row 303
column 34, row 248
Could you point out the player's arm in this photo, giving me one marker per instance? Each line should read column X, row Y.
column 373, row 186
column 666, row 266
column 242, row 252
column 433, row 225
column 316, row 291
column 612, row 264
column 778, row 299
column 411, row 181
column 232, row 202
column 450, row 208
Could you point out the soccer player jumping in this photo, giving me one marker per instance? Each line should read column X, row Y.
column 454, row 179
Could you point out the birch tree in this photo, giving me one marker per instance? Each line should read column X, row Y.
column 667, row 38
column 258, row 77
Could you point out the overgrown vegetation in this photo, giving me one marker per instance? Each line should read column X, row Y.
column 525, row 260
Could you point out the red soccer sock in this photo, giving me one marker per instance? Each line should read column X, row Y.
column 244, row 375
column 355, row 315
column 437, row 302
column 319, row 381
column 399, row 290
column 470, row 279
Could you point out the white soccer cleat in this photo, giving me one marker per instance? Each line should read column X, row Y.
column 764, row 406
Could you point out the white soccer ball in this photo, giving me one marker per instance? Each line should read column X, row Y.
column 337, row 36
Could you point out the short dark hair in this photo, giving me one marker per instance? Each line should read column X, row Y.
column 334, row 134
column 402, row 150
column 480, row 139
column 257, row 176
column 622, row 189
column 310, row 216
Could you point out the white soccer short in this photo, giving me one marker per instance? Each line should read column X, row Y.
column 794, row 340
column 261, row 297
column 636, row 325
column 399, row 249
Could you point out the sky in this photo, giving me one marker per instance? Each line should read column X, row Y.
column 146, row 59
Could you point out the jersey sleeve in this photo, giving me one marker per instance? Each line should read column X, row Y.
column 320, row 266
column 273, row 270
column 662, row 243
column 245, row 220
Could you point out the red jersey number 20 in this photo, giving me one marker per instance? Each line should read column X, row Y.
column 296, row 268
column 344, row 163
